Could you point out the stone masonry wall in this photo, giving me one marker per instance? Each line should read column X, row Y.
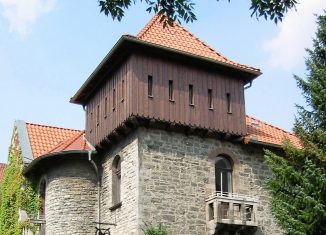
column 176, row 176
column 70, row 201
column 126, row 215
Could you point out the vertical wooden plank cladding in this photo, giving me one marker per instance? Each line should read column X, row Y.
column 237, row 125
column 242, row 107
column 150, row 101
column 135, row 70
column 230, row 116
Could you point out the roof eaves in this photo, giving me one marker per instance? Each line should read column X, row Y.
column 256, row 141
column 76, row 99
column 52, row 155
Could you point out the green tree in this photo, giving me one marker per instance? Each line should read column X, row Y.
column 150, row 229
column 298, row 188
column 16, row 193
column 177, row 10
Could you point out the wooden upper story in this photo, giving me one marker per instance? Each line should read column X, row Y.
column 142, row 79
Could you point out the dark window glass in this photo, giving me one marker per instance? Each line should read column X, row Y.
column 210, row 98
column 114, row 99
column 191, row 94
column 150, row 86
column 106, row 106
column 171, row 95
column 98, row 115
column 223, row 175
column 116, row 180
column 42, row 191
column 123, row 90
column 228, row 100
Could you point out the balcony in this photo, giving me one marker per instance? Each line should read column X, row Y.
column 231, row 211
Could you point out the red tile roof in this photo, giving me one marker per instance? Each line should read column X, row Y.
column 76, row 142
column 181, row 39
column 49, row 139
column 2, row 171
column 45, row 139
column 263, row 132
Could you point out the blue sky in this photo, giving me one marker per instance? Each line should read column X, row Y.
column 48, row 48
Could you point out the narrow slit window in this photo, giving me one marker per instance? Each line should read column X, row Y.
column 123, row 90
column 106, row 107
column 150, row 86
column 91, row 122
column 116, row 180
column 171, row 95
column 98, row 115
column 113, row 99
column 210, row 98
column 191, row 94
column 228, row 100
column 42, row 206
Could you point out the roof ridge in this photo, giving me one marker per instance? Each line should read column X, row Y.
column 290, row 133
column 67, row 142
column 199, row 40
column 204, row 48
column 147, row 26
column 56, row 127
column 156, row 17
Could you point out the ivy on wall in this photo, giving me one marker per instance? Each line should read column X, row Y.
column 16, row 193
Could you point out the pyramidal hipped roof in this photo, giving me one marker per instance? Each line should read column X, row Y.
column 175, row 38
column 179, row 38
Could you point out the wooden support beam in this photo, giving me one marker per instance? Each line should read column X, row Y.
column 190, row 130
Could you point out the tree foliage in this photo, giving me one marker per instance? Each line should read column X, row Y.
column 150, row 229
column 177, row 10
column 298, row 188
column 17, row 193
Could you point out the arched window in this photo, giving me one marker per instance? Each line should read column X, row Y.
column 42, row 190
column 223, row 174
column 116, row 180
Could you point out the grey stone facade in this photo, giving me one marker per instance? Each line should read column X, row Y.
column 165, row 178
column 70, row 200
column 177, row 175
column 125, row 216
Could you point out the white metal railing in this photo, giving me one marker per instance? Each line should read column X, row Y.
column 234, row 196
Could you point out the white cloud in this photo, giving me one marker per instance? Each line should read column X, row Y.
column 21, row 14
column 295, row 34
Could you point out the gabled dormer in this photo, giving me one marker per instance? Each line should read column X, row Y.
column 164, row 77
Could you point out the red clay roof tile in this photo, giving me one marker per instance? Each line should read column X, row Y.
column 179, row 38
column 48, row 139
column 76, row 142
column 44, row 139
column 266, row 133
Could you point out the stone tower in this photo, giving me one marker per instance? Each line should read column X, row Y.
column 172, row 144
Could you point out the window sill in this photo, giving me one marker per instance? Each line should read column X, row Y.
column 116, row 206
